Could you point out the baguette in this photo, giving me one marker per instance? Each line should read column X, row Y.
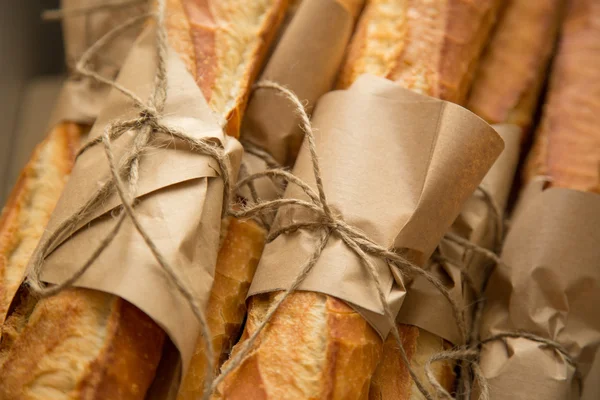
column 30, row 204
column 567, row 143
column 525, row 31
column 86, row 344
column 244, row 240
column 512, row 72
column 317, row 346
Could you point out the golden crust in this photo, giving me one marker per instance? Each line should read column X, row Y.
column 30, row 204
column 511, row 73
column 314, row 347
column 62, row 353
column 392, row 379
column 430, row 47
column 236, row 264
column 224, row 45
column 567, row 140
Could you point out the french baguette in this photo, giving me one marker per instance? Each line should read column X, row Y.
column 317, row 346
column 500, row 93
column 86, row 344
column 567, row 142
column 244, row 240
column 508, row 82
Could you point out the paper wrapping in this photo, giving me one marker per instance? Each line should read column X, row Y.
column 81, row 98
column 396, row 165
column 180, row 199
column 424, row 306
column 550, row 287
column 306, row 61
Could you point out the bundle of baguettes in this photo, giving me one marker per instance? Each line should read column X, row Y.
column 554, row 228
column 42, row 180
column 431, row 48
column 306, row 61
column 501, row 93
column 87, row 344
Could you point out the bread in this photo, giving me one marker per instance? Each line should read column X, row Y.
column 236, row 263
column 93, row 345
column 244, row 240
column 215, row 38
column 316, row 346
column 513, row 69
column 30, row 204
column 567, row 142
column 425, row 46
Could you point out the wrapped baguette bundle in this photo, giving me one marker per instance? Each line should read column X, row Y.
column 104, row 339
column 41, row 181
column 317, row 346
column 526, row 31
column 306, row 60
column 551, row 279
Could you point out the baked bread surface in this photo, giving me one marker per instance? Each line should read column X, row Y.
column 567, row 142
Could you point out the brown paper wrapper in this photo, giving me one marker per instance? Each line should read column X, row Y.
column 180, row 200
column 81, row 98
column 550, row 287
column 396, row 165
column 305, row 61
column 424, row 306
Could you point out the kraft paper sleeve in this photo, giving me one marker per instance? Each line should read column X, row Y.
column 81, row 98
column 549, row 287
column 179, row 203
column 396, row 165
column 424, row 306
column 306, row 61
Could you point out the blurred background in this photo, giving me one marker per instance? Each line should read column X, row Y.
column 31, row 73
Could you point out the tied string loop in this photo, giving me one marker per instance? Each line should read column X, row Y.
column 124, row 175
column 327, row 224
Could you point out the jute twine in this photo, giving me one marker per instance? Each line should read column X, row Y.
column 125, row 172
column 125, row 178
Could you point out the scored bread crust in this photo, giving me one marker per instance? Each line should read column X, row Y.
column 299, row 354
column 424, row 46
column 236, row 263
column 215, row 38
column 567, row 142
column 324, row 350
column 30, row 204
column 103, row 346
column 512, row 71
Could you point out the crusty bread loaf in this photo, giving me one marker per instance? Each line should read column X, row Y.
column 567, row 143
column 93, row 345
column 30, row 204
column 244, row 240
column 316, row 346
column 426, row 46
column 508, row 82
column 223, row 43
column 236, row 263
